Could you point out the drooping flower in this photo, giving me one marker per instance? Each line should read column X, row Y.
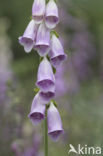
column 37, row 109
column 55, row 128
column 43, row 40
column 51, row 17
column 47, row 96
column 29, row 36
column 38, row 10
column 45, row 77
column 57, row 55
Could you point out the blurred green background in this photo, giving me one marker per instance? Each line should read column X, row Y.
column 80, row 97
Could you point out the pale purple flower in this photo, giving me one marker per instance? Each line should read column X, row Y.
column 51, row 17
column 55, row 128
column 61, row 84
column 45, row 77
column 47, row 96
column 38, row 10
column 37, row 109
column 57, row 55
column 29, row 36
column 43, row 40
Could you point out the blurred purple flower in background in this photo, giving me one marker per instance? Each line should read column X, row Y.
column 5, row 60
column 33, row 150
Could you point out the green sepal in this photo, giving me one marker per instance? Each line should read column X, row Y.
column 47, row 105
column 48, row 58
column 41, row 58
column 31, row 17
column 54, row 70
column 36, row 90
column 55, row 33
column 54, row 102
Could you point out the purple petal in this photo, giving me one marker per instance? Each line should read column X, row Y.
column 47, row 96
column 37, row 109
column 43, row 40
column 29, row 36
column 45, row 78
column 56, row 53
column 58, row 60
column 51, row 16
column 27, row 43
column 54, row 122
column 55, row 135
column 38, row 10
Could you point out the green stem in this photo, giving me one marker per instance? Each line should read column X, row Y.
column 46, row 134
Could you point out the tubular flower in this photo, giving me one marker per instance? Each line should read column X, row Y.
column 38, row 10
column 29, row 36
column 54, row 122
column 47, row 96
column 45, row 77
column 37, row 109
column 43, row 40
column 51, row 17
column 57, row 55
column 38, row 35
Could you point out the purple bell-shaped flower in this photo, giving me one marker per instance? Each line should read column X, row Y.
column 43, row 40
column 37, row 112
column 29, row 36
column 55, row 128
column 51, row 15
column 38, row 10
column 57, row 55
column 47, row 96
column 45, row 76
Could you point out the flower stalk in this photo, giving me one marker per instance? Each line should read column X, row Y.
column 46, row 134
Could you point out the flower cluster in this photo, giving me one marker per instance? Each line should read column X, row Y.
column 40, row 36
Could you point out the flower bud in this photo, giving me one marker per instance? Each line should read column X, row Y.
column 45, row 77
column 29, row 36
column 57, row 55
column 37, row 109
column 51, row 16
column 54, row 122
column 38, row 10
column 43, row 40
